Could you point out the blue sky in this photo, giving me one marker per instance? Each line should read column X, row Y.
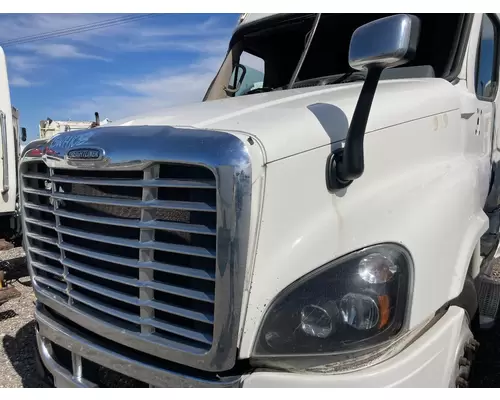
column 119, row 71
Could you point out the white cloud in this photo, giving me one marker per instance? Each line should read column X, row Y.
column 19, row 81
column 22, row 63
column 158, row 90
column 19, row 65
column 211, row 63
column 212, row 26
column 60, row 50
column 207, row 46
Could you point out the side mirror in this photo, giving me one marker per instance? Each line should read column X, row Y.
column 23, row 135
column 384, row 43
column 231, row 89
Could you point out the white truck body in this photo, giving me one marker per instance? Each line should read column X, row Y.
column 429, row 150
column 50, row 128
column 9, row 145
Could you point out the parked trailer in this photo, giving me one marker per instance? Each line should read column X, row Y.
column 10, row 150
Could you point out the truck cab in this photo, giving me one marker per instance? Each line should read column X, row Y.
column 323, row 218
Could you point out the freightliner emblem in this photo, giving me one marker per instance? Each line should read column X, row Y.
column 84, row 154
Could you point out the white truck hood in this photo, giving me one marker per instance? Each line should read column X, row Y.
column 293, row 121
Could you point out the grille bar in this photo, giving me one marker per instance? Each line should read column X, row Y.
column 172, row 248
column 172, row 269
column 161, row 225
column 38, row 207
column 59, row 286
column 163, row 204
column 114, row 294
column 38, row 192
column 170, row 205
column 105, row 308
column 39, row 222
column 182, row 312
column 47, row 268
column 42, row 238
column 134, row 319
column 190, row 334
column 45, row 253
column 189, row 293
column 198, row 316
column 172, row 183
column 36, row 176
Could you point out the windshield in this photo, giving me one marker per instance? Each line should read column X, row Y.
column 263, row 57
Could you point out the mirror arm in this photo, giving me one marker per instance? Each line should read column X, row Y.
column 347, row 164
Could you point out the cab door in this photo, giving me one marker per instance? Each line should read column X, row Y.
column 484, row 71
column 486, row 76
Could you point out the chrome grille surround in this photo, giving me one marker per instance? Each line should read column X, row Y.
column 143, row 148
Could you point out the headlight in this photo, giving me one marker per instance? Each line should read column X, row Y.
column 348, row 305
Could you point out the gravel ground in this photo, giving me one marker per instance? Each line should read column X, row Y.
column 17, row 335
column 18, row 345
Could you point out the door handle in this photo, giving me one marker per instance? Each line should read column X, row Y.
column 5, row 153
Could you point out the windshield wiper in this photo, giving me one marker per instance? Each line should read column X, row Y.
column 352, row 77
column 343, row 78
column 304, row 53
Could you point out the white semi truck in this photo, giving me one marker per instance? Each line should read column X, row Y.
column 332, row 226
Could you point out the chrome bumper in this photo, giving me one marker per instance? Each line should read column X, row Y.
column 51, row 332
column 429, row 362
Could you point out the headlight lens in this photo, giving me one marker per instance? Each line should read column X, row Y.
column 351, row 304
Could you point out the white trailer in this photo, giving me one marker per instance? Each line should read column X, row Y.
column 10, row 138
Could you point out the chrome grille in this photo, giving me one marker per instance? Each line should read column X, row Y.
column 134, row 248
